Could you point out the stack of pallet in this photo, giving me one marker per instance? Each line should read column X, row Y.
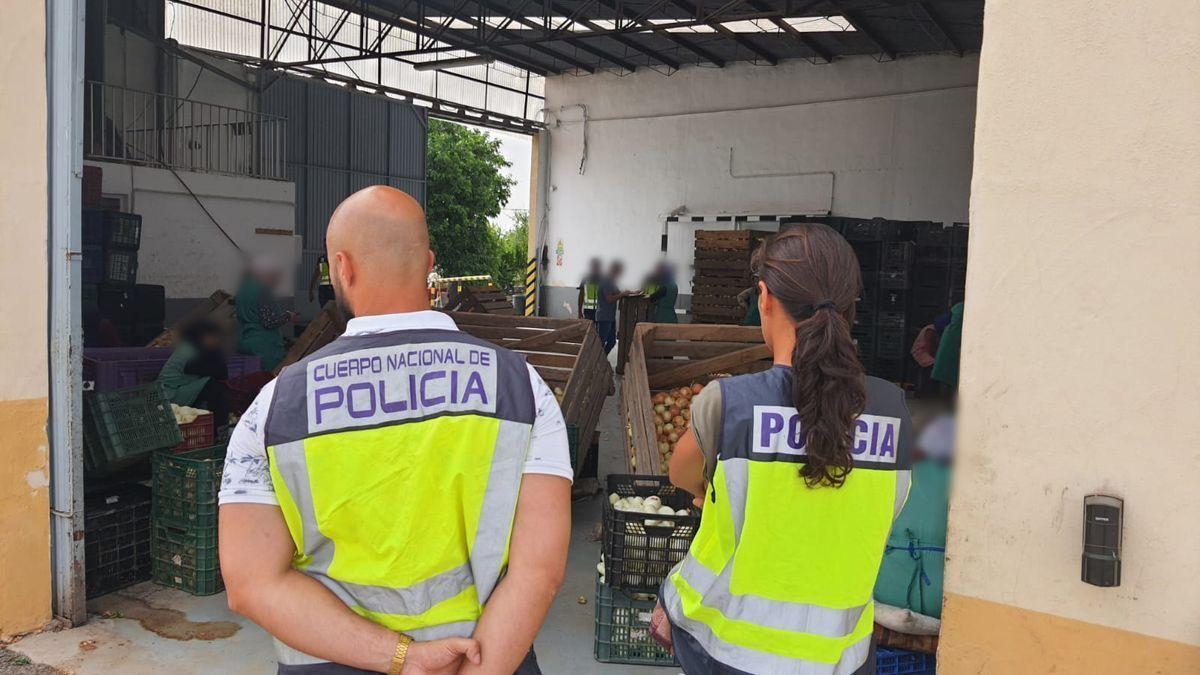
column 486, row 299
column 722, row 265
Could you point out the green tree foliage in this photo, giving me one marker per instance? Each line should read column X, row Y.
column 513, row 244
column 465, row 188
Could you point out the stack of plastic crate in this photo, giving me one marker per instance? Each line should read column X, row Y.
column 640, row 549
column 184, row 542
column 124, row 426
column 116, row 541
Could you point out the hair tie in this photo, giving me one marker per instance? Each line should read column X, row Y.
column 824, row 304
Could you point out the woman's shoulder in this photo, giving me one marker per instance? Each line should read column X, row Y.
column 884, row 397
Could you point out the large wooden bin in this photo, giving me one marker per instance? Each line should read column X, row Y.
column 568, row 356
column 722, row 263
column 631, row 311
column 667, row 355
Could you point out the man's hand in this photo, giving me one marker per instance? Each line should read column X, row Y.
column 440, row 657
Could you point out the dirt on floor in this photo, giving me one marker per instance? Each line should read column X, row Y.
column 12, row 663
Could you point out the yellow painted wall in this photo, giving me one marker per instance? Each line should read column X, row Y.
column 1081, row 350
column 24, row 476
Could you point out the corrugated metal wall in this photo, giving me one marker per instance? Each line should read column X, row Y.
column 340, row 141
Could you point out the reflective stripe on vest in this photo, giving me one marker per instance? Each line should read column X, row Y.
column 779, row 578
column 397, row 461
column 591, row 293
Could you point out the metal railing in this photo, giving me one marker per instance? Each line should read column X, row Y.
column 140, row 127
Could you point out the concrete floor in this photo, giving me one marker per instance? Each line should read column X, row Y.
column 151, row 629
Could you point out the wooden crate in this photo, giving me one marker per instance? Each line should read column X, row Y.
column 218, row 307
column 631, row 311
column 565, row 352
column 323, row 329
column 482, row 299
column 667, row 355
column 722, row 270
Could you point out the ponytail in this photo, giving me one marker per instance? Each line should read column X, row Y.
column 813, row 272
column 829, row 393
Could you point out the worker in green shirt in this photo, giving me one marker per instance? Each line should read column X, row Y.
column 662, row 291
column 260, row 317
column 196, row 372
column 945, row 364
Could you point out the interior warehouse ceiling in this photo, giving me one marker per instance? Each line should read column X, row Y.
column 584, row 36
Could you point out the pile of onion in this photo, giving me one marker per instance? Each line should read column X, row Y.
column 672, row 416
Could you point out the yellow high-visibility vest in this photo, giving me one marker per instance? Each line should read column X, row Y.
column 397, row 461
column 591, row 294
column 779, row 578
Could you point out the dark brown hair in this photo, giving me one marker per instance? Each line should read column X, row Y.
column 813, row 273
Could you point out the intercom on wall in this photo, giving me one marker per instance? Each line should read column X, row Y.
column 1103, row 518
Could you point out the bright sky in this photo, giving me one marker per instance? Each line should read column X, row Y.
column 516, row 149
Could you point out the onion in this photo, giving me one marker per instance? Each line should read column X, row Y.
column 664, row 447
column 697, row 388
column 674, row 410
column 668, row 401
column 660, row 408
column 668, row 428
column 678, row 420
column 673, row 437
column 614, row 498
column 666, row 511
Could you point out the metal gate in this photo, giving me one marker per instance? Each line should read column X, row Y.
column 340, row 141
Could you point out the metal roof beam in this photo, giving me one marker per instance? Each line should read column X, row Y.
column 942, row 27
column 327, row 39
column 703, row 53
column 800, row 36
column 574, row 42
column 543, row 49
column 721, row 28
column 857, row 22
column 625, row 40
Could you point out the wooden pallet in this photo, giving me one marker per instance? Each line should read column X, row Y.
column 482, row 299
column 663, row 356
column 218, row 307
column 631, row 311
column 565, row 352
column 722, row 270
column 323, row 329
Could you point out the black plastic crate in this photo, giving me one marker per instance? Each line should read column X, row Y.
column 120, row 267
column 116, row 304
column 929, row 274
column 116, row 540
column 92, row 227
column 876, row 229
column 932, row 234
column 868, row 254
column 893, row 300
column 89, row 295
column 122, row 230
column 149, row 304
column 893, row 279
column 623, row 629
column 864, row 341
column 638, row 555
column 891, row 320
column 866, row 297
column 92, row 263
column 896, row 256
column 891, row 343
column 891, row 370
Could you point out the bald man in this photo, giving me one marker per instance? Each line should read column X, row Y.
column 399, row 501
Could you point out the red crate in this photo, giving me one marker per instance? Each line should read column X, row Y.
column 197, row 434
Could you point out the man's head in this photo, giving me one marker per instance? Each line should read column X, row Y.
column 615, row 270
column 379, row 253
column 595, row 268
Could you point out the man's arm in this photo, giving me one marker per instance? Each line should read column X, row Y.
column 537, row 561
column 256, row 563
column 686, row 470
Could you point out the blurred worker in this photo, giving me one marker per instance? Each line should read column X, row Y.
column 945, row 365
column 589, row 290
column 320, row 282
column 802, row 469
column 606, row 305
column 748, row 300
column 196, row 372
column 405, row 506
column 663, row 292
column 260, row 318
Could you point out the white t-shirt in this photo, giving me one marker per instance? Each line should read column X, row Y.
column 247, row 477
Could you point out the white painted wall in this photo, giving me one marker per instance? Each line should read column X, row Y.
column 182, row 249
column 872, row 140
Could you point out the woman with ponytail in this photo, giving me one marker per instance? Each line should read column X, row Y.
column 802, row 468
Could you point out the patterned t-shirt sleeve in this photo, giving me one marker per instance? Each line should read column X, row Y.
column 247, row 476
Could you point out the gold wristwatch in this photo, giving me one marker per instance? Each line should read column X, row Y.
column 401, row 654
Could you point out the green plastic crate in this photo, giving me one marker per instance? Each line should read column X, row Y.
column 187, row 559
column 128, row 424
column 623, row 630
column 186, row 487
